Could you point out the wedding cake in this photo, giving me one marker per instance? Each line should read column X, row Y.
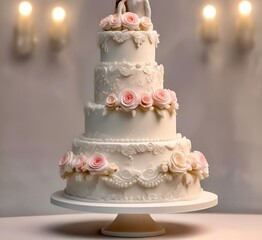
column 131, row 151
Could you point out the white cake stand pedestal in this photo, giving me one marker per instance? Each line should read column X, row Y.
column 133, row 219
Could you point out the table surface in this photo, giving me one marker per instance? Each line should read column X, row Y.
column 178, row 226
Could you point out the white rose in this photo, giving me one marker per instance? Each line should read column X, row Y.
column 178, row 163
column 183, row 146
column 111, row 100
column 114, row 22
column 146, row 24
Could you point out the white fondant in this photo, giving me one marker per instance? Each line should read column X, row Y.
column 139, row 176
column 132, row 46
column 130, row 147
column 114, row 77
column 103, row 123
column 93, row 190
column 150, row 159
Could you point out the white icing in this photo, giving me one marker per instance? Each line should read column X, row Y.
column 129, row 149
column 103, row 123
column 93, row 189
column 139, row 176
column 114, row 77
column 136, row 155
column 132, row 46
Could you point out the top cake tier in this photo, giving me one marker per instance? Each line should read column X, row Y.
column 128, row 34
column 130, row 46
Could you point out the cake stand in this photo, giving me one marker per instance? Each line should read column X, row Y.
column 133, row 219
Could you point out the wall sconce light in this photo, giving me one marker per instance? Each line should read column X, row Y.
column 58, row 29
column 209, row 27
column 245, row 34
column 25, row 38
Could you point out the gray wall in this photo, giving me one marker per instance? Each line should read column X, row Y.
column 42, row 98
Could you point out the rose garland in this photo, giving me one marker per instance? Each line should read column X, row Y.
column 128, row 101
column 128, row 21
column 193, row 163
column 96, row 165
column 180, row 163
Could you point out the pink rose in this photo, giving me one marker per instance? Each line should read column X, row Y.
column 146, row 101
column 111, row 100
column 130, row 21
column 173, row 96
column 199, row 164
column 97, row 163
column 161, row 98
column 114, row 22
column 104, row 24
column 79, row 163
column 128, row 100
column 178, row 163
column 146, row 24
column 65, row 163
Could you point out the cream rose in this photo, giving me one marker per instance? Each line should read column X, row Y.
column 178, row 163
column 111, row 100
column 183, row 146
column 65, row 163
column 128, row 100
column 130, row 21
column 162, row 98
column 97, row 163
column 79, row 163
column 146, row 24
column 146, row 101
column 104, row 24
column 114, row 22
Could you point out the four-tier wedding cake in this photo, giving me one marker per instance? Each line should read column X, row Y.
column 130, row 151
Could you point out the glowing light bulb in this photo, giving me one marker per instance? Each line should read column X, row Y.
column 58, row 29
column 25, row 8
column 209, row 12
column 245, row 34
column 245, row 8
column 58, row 14
column 209, row 26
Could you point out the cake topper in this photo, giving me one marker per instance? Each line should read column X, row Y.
column 140, row 7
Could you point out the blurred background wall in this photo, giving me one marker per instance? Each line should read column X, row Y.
column 42, row 98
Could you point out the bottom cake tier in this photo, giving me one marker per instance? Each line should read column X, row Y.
column 133, row 171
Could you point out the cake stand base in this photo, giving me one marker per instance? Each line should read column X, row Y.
column 132, row 226
column 133, row 219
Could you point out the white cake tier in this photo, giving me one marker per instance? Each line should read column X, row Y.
column 144, row 171
column 131, row 46
column 114, row 77
column 106, row 124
